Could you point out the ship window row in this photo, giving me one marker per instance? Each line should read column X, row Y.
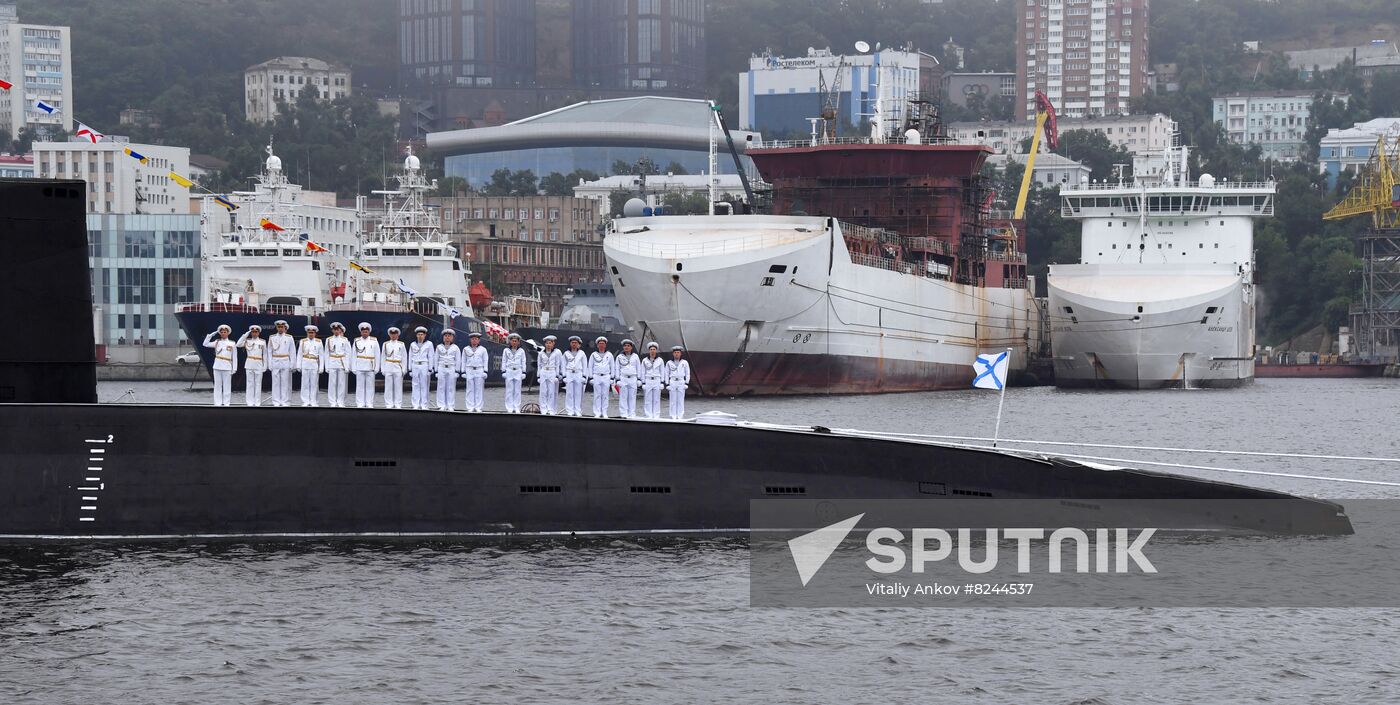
column 402, row 252
column 272, row 252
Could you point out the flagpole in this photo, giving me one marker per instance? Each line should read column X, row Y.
column 1001, row 400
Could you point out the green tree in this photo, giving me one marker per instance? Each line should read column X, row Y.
column 556, row 184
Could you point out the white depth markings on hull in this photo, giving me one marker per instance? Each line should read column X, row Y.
column 92, row 478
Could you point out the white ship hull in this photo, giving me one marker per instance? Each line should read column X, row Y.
column 1151, row 326
column 775, row 305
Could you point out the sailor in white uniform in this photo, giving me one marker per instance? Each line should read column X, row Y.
column 653, row 379
column 549, row 365
column 311, row 362
column 254, row 365
column 422, row 360
column 677, row 379
column 448, row 358
column 629, row 375
column 338, row 355
column 282, row 350
column 602, row 371
column 366, row 365
column 475, row 362
column 513, row 369
column 225, row 363
column 575, row 362
column 392, row 364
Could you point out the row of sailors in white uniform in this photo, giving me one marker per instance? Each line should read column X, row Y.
column 421, row 360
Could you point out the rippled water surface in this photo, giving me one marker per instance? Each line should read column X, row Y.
column 668, row 620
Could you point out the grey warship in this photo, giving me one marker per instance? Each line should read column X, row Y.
column 73, row 469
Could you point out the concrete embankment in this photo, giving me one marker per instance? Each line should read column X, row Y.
column 115, row 372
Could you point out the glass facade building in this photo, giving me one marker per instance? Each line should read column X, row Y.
column 141, row 267
column 469, row 43
column 641, row 45
column 477, row 168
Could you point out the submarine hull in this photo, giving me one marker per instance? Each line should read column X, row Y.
column 82, row 471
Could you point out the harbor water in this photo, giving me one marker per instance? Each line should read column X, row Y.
column 667, row 620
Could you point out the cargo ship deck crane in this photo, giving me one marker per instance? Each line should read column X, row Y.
column 1044, row 122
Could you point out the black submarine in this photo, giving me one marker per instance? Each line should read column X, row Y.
column 74, row 469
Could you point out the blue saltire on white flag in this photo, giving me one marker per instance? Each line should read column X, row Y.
column 990, row 370
column 453, row 312
column 403, row 286
column 43, row 107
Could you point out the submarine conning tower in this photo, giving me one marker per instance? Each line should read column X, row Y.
column 46, row 293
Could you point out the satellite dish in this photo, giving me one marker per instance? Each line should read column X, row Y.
column 862, row 46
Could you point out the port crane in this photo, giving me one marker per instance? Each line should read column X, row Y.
column 1377, row 193
column 1044, row 122
column 831, row 98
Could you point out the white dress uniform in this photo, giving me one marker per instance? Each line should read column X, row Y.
column 677, row 379
column 282, row 349
column 311, row 357
column 338, row 355
column 653, row 379
column 475, row 362
column 253, row 368
column 629, row 374
column 549, row 366
column 602, row 370
column 366, row 365
column 393, row 364
column 225, row 364
column 422, row 360
column 513, row 369
column 575, row 362
column 448, row 359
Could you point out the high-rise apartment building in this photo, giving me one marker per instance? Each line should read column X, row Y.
column 38, row 61
column 1088, row 56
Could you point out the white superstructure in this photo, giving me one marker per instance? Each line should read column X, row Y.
column 1164, row 292
column 264, row 254
column 407, row 245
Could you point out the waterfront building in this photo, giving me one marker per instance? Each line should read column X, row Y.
column 1139, row 134
column 38, row 61
column 1276, row 121
column 1051, row 170
column 1343, row 149
column 780, row 95
column 1088, row 56
column 959, row 87
column 284, row 79
column 592, row 135
column 659, row 187
column 118, row 183
column 141, row 266
column 523, row 244
column 16, row 166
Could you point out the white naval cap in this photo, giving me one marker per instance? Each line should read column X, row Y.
column 653, row 346
column 515, row 336
column 628, row 341
column 365, row 326
column 393, row 329
column 676, row 347
column 450, row 332
column 224, row 326
column 548, row 338
column 600, row 339
column 474, row 334
column 337, row 325
column 312, row 329
column 280, row 323
column 255, row 327
column 573, row 338
column 420, row 329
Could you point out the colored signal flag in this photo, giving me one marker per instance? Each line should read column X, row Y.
column 6, row 85
column 181, row 180
column 313, row 247
column 269, row 225
column 360, row 267
column 227, row 204
column 92, row 135
column 136, row 155
column 45, row 108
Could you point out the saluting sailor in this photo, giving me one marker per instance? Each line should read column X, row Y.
column 602, row 370
column 392, row 364
column 282, row 350
column 311, row 362
column 338, row 352
column 629, row 372
column 653, row 378
column 448, row 358
column 422, row 360
column 225, row 363
column 513, row 369
column 475, row 361
column 575, row 360
column 677, row 379
column 256, row 348
column 549, row 365
column 367, row 358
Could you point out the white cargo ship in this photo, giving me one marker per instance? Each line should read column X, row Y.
column 1164, row 292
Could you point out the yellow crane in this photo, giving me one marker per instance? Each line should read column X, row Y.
column 1377, row 189
column 1044, row 122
